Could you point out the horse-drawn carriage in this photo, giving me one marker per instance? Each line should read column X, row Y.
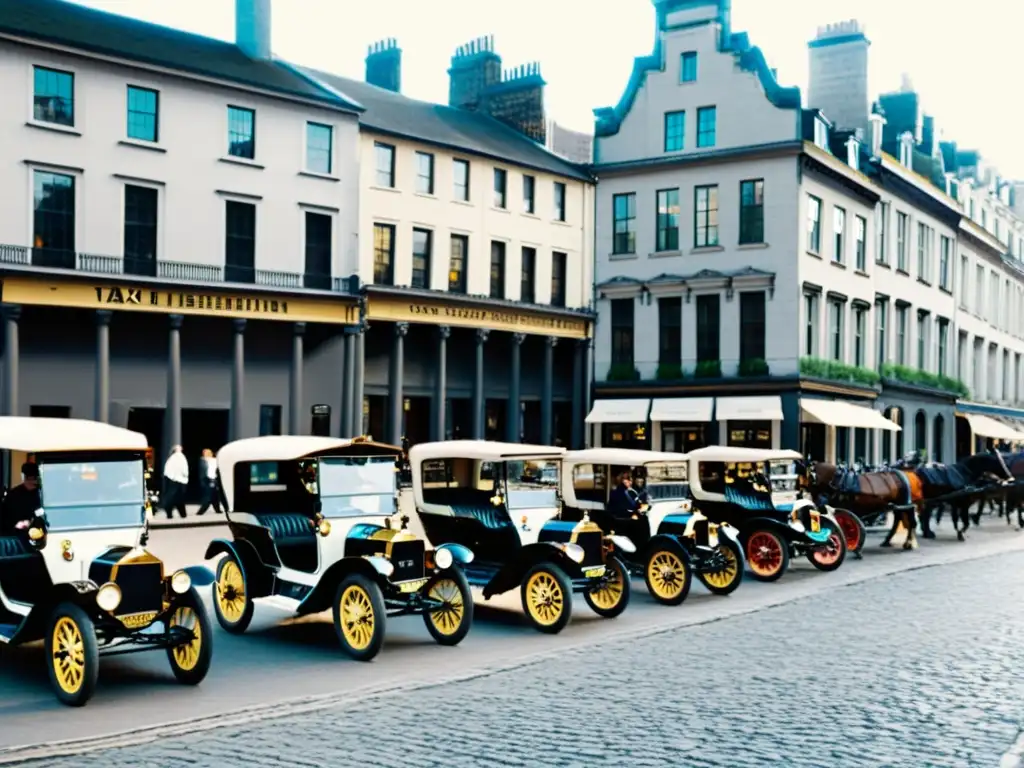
column 645, row 496
column 756, row 490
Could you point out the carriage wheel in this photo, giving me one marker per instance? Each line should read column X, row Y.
column 767, row 555
column 832, row 556
column 853, row 530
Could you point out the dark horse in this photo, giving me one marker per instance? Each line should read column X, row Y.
column 905, row 492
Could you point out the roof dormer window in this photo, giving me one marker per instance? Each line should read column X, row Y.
column 907, row 150
column 853, row 153
column 821, row 133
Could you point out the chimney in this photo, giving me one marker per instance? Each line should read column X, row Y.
column 475, row 68
column 384, row 65
column 252, row 28
column 877, row 126
column 518, row 100
column 838, row 75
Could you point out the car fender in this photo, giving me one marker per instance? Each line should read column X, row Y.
column 460, row 554
column 81, row 593
column 622, row 542
column 780, row 529
column 200, row 575
column 322, row 595
column 511, row 574
column 255, row 575
column 671, row 541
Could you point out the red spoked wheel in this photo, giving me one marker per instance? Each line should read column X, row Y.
column 767, row 555
column 832, row 555
column 853, row 530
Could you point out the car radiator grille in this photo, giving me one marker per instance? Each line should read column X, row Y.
column 593, row 548
column 407, row 557
column 141, row 588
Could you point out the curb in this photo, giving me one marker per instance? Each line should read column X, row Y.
column 167, row 525
column 29, row 754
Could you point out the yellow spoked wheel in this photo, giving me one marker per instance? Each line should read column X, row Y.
column 611, row 596
column 191, row 649
column 668, row 575
column 450, row 623
column 726, row 580
column 359, row 617
column 74, row 655
column 230, row 599
column 546, row 593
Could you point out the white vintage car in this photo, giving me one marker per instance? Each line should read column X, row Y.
column 78, row 576
column 315, row 527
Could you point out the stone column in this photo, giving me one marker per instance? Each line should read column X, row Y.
column 513, row 414
column 358, row 377
column 395, row 380
column 295, row 383
column 478, row 385
column 172, row 419
column 547, row 392
column 348, row 356
column 12, row 356
column 577, row 397
column 101, row 410
column 588, row 373
column 441, row 391
column 238, row 380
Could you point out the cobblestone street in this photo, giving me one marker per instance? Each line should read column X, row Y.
column 915, row 669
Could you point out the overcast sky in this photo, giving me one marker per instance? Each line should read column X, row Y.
column 963, row 60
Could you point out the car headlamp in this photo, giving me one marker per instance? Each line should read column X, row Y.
column 181, row 582
column 443, row 558
column 574, row 551
column 108, row 597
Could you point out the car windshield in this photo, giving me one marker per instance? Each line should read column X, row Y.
column 357, row 486
column 532, row 484
column 93, row 494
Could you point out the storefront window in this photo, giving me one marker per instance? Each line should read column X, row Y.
column 750, row 434
column 683, row 438
column 624, row 436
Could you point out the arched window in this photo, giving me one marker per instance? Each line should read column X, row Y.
column 938, row 438
column 920, row 432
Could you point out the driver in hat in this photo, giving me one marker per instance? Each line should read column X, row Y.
column 21, row 502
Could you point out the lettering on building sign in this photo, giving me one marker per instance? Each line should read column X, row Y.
column 495, row 317
column 172, row 300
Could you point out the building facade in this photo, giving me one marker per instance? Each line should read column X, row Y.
column 805, row 277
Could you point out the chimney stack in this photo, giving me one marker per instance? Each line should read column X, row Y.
column 877, row 126
column 252, row 28
column 475, row 68
column 838, row 81
column 384, row 65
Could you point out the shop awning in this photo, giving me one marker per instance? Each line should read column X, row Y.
column 838, row 413
column 986, row 426
column 683, row 409
column 762, row 408
column 619, row 412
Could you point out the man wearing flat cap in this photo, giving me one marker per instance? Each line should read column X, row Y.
column 21, row 502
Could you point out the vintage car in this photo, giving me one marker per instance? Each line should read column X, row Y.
column 672, row 541
column 315, row 526
column 78, row 577
column 756, row 491
column 498, row 500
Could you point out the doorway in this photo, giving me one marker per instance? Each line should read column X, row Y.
column 417, row 420
column 201, row 428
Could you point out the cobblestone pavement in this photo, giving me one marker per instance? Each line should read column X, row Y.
column 917, row 669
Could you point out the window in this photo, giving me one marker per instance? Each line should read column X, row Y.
column 705, row 216
column 500, row 187
column 143, row 114
column 706, row 125
column 528, row 276
column 838, row 233
column 675, row 130
column 752, row 326
column 860, row 252
column 821, row 133
column 813, row 224
column 559, row 201
column 708, row 327
column 835, row 329
column 140, row 213
column 457, row 261
column 922, row 340
column 319, row 147
column 670, row 330
column 984, row 218
column 943, row 347
column 384, row 254
column 622, row 331
column 668, row 220
column 810, row 324
column 497, row 269
column 882, row 227
column 385, row 157
column 688, row 67
column 270, row 420
column 965, row 267
column 319, row 228
column 240, row 248
column 53, row 99
column 859, row 323
column 424, row 173
column 242, row 132
column 945, row 257
column 901, row 333
column 993, row 305
column 53, row 220
column 881, row 323
column 422, row 246
column 624, row 223
column 979, row 290
column 558, row 275
column 924, row 267
column 529, row 194
column 902, row 223
column 460, row 170
column 752, row 211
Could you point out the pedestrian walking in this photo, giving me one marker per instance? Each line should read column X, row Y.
column 208, row 483
column 175, row 482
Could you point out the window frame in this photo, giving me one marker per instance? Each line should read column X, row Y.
column 674, row 133
column 814, row 208
column 703, row 131
column 60, row 73
column 236, row 140
column 384, row 270
column 500, row 199
column 384, row 177
column 529, row 194
column 630, row 224
column 528, row 276
column 458, row 162
column 426, row 258
column 429, row 157
column 684, row 58
column 707, row 229
column 666, row 234
column 559, row 276
column 129, row 89
column 497, row 287
column 560, row 193
column 755, row 210
column 460, row 284
column 319, row 151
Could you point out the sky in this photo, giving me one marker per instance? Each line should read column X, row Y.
column 962, row 60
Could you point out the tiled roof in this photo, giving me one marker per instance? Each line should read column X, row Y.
column 87, row 29
column 458, row 129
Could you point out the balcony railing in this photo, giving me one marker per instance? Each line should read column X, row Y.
column 177, row 271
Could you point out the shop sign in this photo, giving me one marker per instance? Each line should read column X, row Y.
column 445, row 313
